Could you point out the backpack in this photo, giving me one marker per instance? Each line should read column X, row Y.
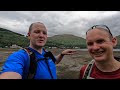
column 33, row 62
column 88, row 69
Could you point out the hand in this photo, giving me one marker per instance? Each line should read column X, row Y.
column 65, row 52
column 68, row 52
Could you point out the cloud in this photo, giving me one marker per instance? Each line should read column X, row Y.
column 60, row 22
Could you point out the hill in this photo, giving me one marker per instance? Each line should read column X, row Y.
column 8, row 38
column 66, row 41
column 118, row 39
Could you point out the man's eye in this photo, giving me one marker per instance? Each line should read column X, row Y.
column 36, row 31
column 89, row 43
column 100, row 41
column 45, row 33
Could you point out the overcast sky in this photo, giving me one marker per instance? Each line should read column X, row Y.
column 60, row 22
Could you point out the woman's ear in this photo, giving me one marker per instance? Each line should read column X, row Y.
column 114, row 41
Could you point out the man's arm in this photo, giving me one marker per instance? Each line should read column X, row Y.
column 65, row 52
column 14, row 65
column 10, row 75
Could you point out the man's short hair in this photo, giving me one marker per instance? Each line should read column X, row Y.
column 30, row 28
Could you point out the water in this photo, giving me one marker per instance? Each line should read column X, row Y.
column 1, row 56
column 87, row 49
column 116, row 49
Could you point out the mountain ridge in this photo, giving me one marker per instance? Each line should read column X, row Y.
column 8, row 38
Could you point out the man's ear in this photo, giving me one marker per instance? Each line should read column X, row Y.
column 114, row 41
column 28, row 35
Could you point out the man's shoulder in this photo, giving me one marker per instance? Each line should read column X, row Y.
column 83, row 67
column 86, row 65
column 18, row 53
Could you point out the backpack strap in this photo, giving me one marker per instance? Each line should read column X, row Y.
column 33, row 64
column 49, row 54
column 88, row 70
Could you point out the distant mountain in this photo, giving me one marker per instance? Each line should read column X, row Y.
column 66, row 40
column 118, row 39
column 8, row 38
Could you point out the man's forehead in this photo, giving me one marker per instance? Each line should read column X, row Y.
column 98, row 31
column 38, row 24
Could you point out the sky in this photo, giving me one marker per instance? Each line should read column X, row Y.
column 60, row 22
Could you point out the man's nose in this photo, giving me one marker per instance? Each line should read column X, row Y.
column 95, row 46
column 41, row 34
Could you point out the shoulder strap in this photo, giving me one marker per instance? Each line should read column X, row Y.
column 33, row 63
column 50, row 55
column 88, row 69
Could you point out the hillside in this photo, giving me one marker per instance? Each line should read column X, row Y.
column 8, row 38
column 118, row 39
column 66, row 40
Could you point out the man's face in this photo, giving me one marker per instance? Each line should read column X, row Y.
column 38, row 35
column 99, row 44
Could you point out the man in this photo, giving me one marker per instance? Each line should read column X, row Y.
column 16, row 65
column 100, row 43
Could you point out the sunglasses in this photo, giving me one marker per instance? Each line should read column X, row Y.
column 102, row 27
